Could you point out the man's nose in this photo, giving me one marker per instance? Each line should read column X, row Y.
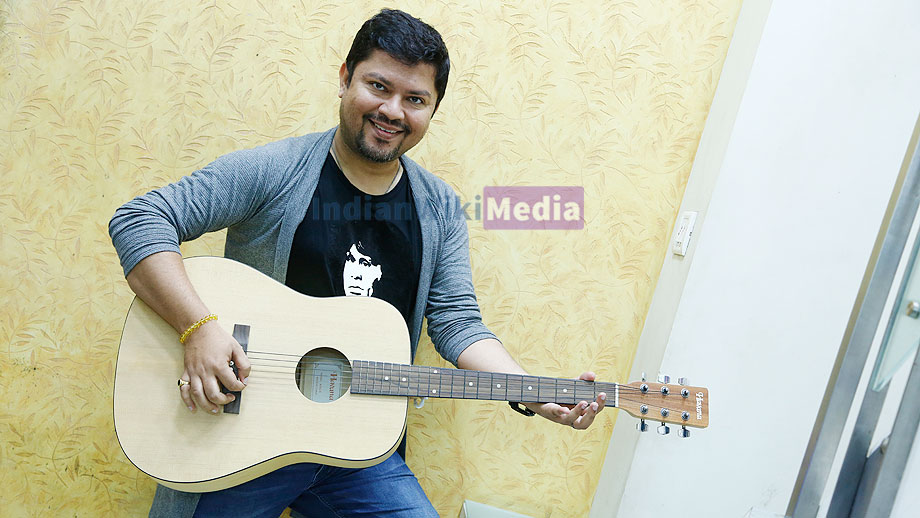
column 391, row 108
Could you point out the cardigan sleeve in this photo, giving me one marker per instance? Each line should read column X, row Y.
column 454, row 318
column 224, row 192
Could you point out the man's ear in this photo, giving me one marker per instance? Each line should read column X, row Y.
column 343, row 80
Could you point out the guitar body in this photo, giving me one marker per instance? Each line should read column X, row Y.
column 277, row 424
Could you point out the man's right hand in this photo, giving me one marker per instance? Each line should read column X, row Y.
column 208, row 352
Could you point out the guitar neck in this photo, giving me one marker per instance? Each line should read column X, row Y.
column 390, row 379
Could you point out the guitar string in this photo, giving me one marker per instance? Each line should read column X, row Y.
column 283, row 380
column 455, row 389
column 276, row 381
column 279, row 379
column 419, row 370
column 623, row 387
column 650, row 417
column 458, row 383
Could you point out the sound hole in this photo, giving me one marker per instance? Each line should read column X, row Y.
column 323, row 375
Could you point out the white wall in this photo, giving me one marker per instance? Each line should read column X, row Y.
column 907, row 502
column 705, row 171
column 819, row 137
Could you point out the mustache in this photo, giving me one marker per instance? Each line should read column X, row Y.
column 383, row 120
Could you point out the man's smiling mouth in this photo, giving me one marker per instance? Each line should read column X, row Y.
column 381, row 128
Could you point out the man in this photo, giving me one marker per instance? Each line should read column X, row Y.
column 390, row 85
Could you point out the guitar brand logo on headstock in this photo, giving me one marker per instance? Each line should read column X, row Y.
column 699, row 405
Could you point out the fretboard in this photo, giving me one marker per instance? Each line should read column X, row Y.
column 391, row 379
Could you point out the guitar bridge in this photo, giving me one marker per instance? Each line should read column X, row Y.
column 241, row 335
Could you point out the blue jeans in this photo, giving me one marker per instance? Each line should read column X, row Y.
column 318, row 491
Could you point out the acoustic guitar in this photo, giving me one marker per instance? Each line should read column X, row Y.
column 330, row 383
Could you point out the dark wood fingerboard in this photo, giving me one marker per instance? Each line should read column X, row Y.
column 392, row 379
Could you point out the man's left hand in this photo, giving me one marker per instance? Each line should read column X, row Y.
column 579, row 416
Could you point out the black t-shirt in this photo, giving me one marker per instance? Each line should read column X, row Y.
column 352, row 243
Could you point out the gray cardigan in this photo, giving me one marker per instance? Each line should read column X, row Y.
column 261, row 195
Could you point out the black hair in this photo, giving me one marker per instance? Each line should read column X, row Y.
column 405, row 38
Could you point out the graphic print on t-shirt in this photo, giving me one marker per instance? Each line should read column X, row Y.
column 355, row 244
column 368, row 259
column 360, row 272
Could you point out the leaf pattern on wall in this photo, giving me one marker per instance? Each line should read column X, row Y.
column 101, row 101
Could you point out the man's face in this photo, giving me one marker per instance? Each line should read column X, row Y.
column 386, row 106
column 360, row 273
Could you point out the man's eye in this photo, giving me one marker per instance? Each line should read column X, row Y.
column 378, row 86
column 416, row 100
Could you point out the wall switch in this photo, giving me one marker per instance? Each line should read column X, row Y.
column 683, row 233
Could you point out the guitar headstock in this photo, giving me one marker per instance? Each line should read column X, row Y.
column 666, row 403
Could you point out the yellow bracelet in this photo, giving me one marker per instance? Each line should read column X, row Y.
column 195, row 326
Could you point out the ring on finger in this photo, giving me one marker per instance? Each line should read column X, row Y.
column 182, row 383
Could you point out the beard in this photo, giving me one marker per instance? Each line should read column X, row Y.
column 373, row 154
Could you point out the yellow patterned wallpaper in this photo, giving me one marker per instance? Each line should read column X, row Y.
column 102, row 100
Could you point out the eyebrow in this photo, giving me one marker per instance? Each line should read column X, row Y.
column 379, row 78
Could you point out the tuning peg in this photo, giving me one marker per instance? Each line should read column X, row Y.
column 683, row 432
column 643, row 377
column 683, row 381
column 642, row 426
column 664, row 429
column 662, row 378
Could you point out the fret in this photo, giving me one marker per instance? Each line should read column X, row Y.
column 565, row 392
column 415, row 382
column 546, row 389
column 515, row 387
column 411, row 382
column 367, row 373
column 444, row 381
column 383, row 386
column 470, row 385
column 397, row 378
column 447, row 389
column 585, row 391
column 612, row 391
column 404, row 380
column 379, row 373
column 461, row 385
column 483, row 385
column 364, row 375
column 435, row 388
column 368, row 377
column 378, row 378
column 499, row 386
column 371, row 383
column 356, row 377
column 432, row 384
column 424, row 382
column 462, row 391
column 456, row 383
column 390, row 379
column 530, row 387
column 431, row 388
